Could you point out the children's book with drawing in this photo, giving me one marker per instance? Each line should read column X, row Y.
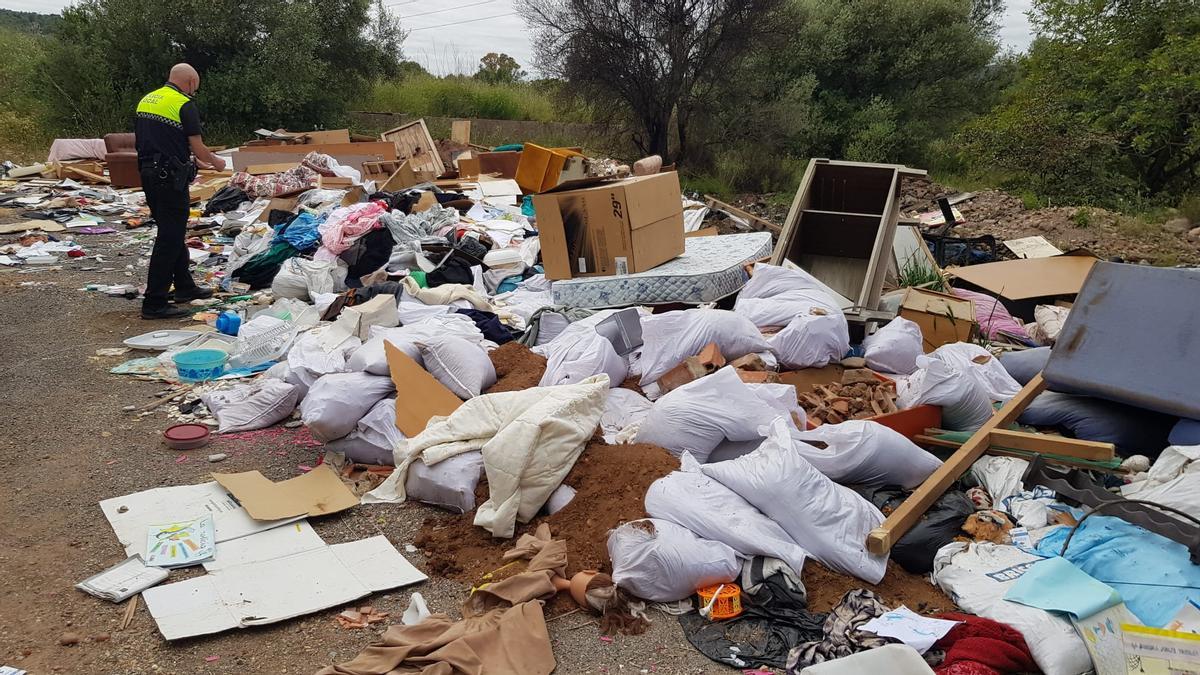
column 187, row 542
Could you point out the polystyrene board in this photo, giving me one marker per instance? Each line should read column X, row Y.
column 180, row 502
column 280, row 588
column 1131, row 338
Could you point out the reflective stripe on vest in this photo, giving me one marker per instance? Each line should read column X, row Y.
column 163, row 104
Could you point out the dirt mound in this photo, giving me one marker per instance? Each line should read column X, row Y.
column 517, row 367
column 610, row 483
column 826, row 588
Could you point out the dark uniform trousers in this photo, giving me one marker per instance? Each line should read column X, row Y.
column 168, row 202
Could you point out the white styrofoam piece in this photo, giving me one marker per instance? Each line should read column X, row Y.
column 272, row 590
column 180, row 502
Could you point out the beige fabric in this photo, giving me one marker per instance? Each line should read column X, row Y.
column 446, row 294
column 503, row 632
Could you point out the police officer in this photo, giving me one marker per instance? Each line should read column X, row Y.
column 167, row 126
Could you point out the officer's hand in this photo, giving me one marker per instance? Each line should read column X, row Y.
column 220, row 165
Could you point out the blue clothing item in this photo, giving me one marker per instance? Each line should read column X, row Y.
column 302, row 232
column 527, row 206
column 1153, row 574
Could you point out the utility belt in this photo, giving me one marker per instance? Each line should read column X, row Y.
column 169, row 171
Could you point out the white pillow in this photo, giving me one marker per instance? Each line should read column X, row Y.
column 463, row 367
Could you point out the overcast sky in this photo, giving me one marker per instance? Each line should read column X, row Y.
column 484, row 26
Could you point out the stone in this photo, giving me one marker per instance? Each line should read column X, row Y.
column 69, row 638
column 220, row 456
column 1178, row 225
column 1193, row 235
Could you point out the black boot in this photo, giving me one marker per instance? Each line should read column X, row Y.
column 199, row 293
column 167, row 312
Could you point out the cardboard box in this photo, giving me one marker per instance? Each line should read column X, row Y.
column 942, row 318
column 617, row 227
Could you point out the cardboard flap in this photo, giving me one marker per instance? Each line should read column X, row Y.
column 317, row 493
column 650, row 199
column 419, row 396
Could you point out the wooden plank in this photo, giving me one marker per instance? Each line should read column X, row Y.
column 716, row 203
column 881, row 254
column 325, row 137
column 882, row 538
column 413, row 142
column 791, row 225
column 261, row 169
column 1057, row 445
column 924, row 440
column 380, row 148
column 460, row 131
column 86, row 175
column 403, row 177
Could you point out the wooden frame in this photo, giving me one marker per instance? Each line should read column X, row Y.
column 718, row 204
column 414, row 143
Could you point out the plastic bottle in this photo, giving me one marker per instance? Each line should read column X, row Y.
column 229, row 322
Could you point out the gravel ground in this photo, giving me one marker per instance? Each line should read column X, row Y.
column 66, row 445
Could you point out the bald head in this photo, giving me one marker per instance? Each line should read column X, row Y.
column 185, row 78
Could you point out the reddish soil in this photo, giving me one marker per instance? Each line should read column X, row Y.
column 610, row 480
column 517, row 367
column 826, row 588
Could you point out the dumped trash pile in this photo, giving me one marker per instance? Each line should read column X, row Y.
column 781, row 439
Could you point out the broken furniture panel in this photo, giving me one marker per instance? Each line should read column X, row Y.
column 842, row 225
column 414, row 143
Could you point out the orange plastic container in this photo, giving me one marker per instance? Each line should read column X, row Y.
column 728, row 604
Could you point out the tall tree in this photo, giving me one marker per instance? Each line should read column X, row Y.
column 661, row 61
column 499, row 69
column 386, row 33
column 265, row 63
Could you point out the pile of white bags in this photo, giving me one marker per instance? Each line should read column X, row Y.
column 251, row 406
column 698, row 416
column 336, row 402
column 862, row 452
column 371, row 357
column 660, row 561
column 308, row 360
column 670, row 338
column 830, row 521
column 812, row 340
column 464, row 368
column 978, row 364
column 895, row 347
column 965, row 402
column 689, row 498
column 624, row 409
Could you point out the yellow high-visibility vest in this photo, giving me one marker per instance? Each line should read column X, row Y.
column 163, row 104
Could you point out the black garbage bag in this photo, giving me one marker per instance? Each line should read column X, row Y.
column 938, row 527
column 227, row 198
column 368, row 253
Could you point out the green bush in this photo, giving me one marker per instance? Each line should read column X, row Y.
column 24, row 135
column 458, row 96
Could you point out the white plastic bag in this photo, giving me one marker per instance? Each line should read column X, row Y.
column 830, row 521
column 776, row 295
column 308, row 360
column 698, row 416
column 689, row 498
column 978, row 575
column 812, row 340
column 862, row 452
column 623, row 409
column 336, row 402
column 1000, row 476
column 978, row 364
column 303, row 279
column 464, row 368
column 672, row 337
column 449, row 484
column 965, row 403
column 895, row 347
column 251, row 406
column 660, row 561
column 579, row 354
column 374, row 437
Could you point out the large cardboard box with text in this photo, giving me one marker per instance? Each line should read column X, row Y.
column 617, row 227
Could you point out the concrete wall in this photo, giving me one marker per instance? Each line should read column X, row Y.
column 595, row 139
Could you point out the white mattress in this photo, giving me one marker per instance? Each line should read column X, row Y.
column 709, row 269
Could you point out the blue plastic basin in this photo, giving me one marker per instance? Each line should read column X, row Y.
column 199, row 365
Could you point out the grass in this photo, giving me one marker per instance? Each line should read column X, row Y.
column 1082, row 218
column 917, row 273
column 458, row 96
column 1189, row 207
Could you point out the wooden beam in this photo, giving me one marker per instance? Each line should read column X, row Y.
column 1055, row 445
column 882, row 538
column 714, row 202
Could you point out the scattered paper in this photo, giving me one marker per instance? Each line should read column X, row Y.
column 905, row 625
column 1032, row 247
column 180, row 544
column 128, row 577
column 499, row 188
column 1103, row 638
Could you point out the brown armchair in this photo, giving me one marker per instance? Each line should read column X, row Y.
column 121, row 157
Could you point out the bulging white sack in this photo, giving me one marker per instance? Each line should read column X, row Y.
column 622, row 409
column 965, row 403
column 463, row 367
column 336, row 402
column 693, row 500
column 579, row 354
column 371, row 358
column 660, row 561
column 830, row 521
column 895, row 347
column 670, row 338
column 374, row 437
column 812, row 340
column 308, row 360
column 862, row 452
column 449, row 484
column 776, row 295
column 979, row 364
column 251, row 406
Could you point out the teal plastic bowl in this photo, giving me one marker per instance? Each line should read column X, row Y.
column 200, row 365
